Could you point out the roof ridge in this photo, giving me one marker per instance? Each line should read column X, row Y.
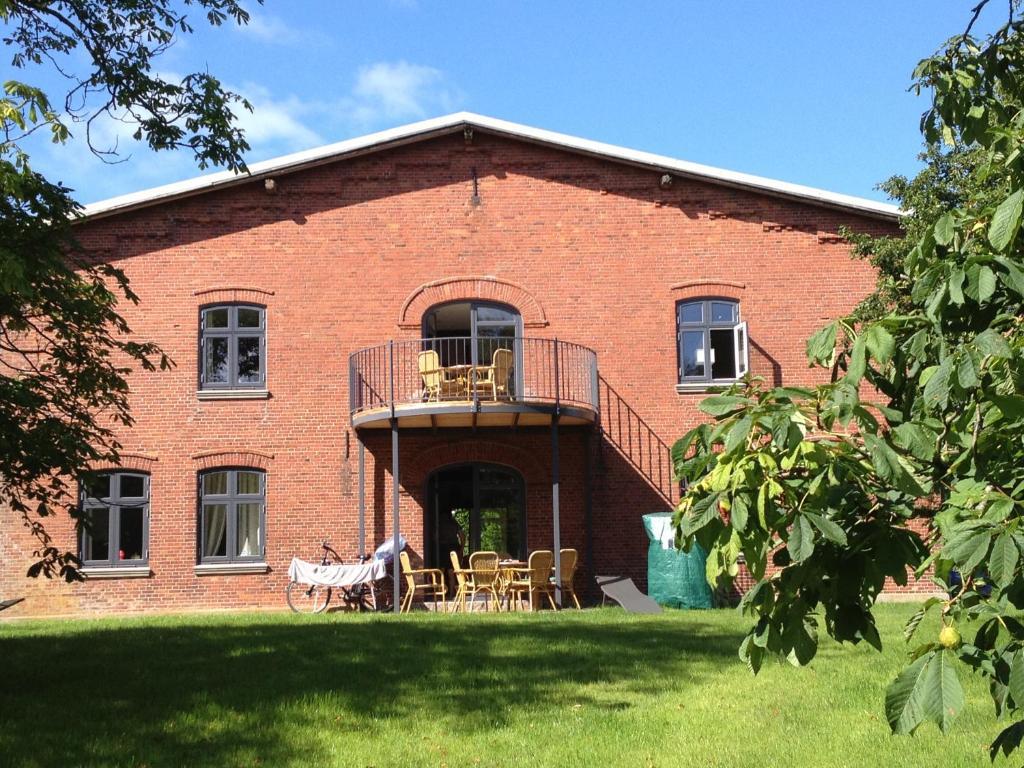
column 447, row 123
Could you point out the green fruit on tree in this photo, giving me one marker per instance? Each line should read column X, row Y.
column 949, row 637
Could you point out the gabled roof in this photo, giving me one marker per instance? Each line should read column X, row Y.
column 453, row 123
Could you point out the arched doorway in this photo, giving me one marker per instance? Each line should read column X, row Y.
column 473, row 507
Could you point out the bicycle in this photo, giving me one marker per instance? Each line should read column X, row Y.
column 314, row 598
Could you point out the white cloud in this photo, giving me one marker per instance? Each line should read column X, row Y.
column 397, row 90
column 277, row 122
column 267, row 28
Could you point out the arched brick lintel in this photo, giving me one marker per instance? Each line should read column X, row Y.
column 473, row 451
column 485, row 288
column 139, row 462
column 710, row 287
column 233, row 295
column 214, row 459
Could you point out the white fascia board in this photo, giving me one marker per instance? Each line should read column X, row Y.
column 449, row 123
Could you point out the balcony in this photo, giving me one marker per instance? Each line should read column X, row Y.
column 473, row 381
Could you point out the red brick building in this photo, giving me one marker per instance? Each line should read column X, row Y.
column 485, row 295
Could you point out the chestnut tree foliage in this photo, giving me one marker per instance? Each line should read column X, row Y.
column 65, row 351
column 920, row 426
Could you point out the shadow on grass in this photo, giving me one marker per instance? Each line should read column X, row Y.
column 207, row 690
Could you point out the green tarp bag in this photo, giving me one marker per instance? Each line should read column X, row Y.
column 674, row 578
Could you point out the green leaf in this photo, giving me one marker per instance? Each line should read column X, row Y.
column 936, row 391
column 966, row 541
column 739, row 513
column 828, row 528
column 738, row 434
column 991, row 342
column 822, row 345
column 1011, row 406
column 857, row 363
column 1014, row 276
column 914, row 621
column 926, row 690
column 1008, row 740
column 1017, row 678
column 986, row 283
column 919, row 441
column 1006, row 221
column 966, row 374
column 880, row 343
column 904, row 707
column 944, row 229
column 889, row 466
column 1002, row 564
column 801, row 637
column 704, row 510
column 720, row 405
column 751, row 653
column 975, row 555
column 801, row 540
column 956, row 281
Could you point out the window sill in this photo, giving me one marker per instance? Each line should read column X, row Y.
column 702, row 387
column 228, row 569
column 233, row 394
column 116, row 572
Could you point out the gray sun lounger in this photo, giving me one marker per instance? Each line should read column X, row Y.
column 623, row 591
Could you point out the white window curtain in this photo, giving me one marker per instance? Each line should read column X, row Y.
column 249, row 530
column 215, row 530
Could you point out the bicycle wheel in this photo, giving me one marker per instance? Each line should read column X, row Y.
column 305, row 598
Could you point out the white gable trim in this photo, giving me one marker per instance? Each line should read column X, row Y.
column 451, row 123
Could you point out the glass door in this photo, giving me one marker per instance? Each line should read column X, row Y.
column 495, row 330
column 474, row 507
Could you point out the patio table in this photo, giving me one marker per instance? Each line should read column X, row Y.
column 507, row 570
column 461, row 375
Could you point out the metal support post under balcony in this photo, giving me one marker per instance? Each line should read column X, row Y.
column 362, row 496
column 555, row 477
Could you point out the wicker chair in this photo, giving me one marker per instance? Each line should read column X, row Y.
column 569, row 558
column 433, row 586
column 537, row 579
column 485, row 577
column 493, row 379
column 463, row 579
column 437, row 384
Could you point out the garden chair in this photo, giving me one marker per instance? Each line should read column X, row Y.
column 434, row 585
column 624, row 591
column 485, row 577
column 537, row 579
column 437, row 384
column 463, row 579
column 493, row 379
column 569, row 558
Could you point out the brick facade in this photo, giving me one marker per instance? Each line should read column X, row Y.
column 350, row 254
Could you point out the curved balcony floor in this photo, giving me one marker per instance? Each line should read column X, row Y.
column 465, row 413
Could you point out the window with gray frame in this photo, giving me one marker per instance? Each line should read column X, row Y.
column 232, row 515
column 233, row 347
column 115, row 519
column 712, row 341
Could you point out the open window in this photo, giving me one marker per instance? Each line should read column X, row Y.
column 713, row 343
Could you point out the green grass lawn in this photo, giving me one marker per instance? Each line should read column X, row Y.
column 595, row 688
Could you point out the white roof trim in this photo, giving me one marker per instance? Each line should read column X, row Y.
column 449, row 123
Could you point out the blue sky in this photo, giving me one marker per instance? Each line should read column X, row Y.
column 809, row 92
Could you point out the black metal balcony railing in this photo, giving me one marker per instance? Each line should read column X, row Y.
column 480, row 371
